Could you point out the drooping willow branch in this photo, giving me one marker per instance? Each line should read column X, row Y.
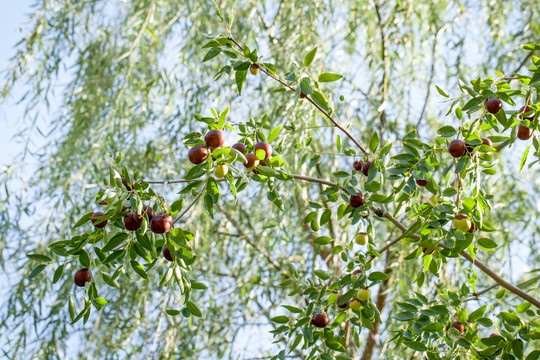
column 325, row 113
column 385, row 214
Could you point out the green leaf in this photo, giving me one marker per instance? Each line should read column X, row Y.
column 240, row 78
column 433, row 327
column 274, row 133
column 323, row 240
column 115, row 241
column 447, row 131
column 329, row 77
column 477, row 314
column 374, row 142
column 377, row 276
column 309, row 57
column 83, row 220
column 322, row 274
column 100, row 301
column 36, row 271
column 280, row 319
column 524, row 158
column 510, row 318
column 193, row 309
column 213, row 52
column 177, row 206
column 139, row 269
column 442, row 92
column 172, row 312
column 39, row 257
column 198, row 285
column 58, row 273
column 415, row 345
column 84, row 259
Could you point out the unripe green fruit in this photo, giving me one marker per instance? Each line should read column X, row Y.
column 221, row 171
column 361, row 238
column 364, row 294
column 355, row 274
column 462, row 222
column 254, row 69
column 355, row 304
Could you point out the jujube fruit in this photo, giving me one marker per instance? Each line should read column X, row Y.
column 221, row 171
column 94, row 217
column 167, row 253
column 355, row 304
column 240, row 147
column 132, row 221
column 82, row 276
column 161, row 224
column 361, row 238
column 252, row 161
column 524, row 133
column 364, row 294
column 487, row 142
column 319, row 320
column 422, row 182
column 365, row 167
column 358, row 165
column 524, row 110
column 148, row 210
column 343, row 306
column 124, row 181
column 254, row 69
column 459, row 326
column 197, row 154
column 357, row 200
column 266, row 147
column 215, row 138
column 462, row 222
column 493, row 106
column 457, row 148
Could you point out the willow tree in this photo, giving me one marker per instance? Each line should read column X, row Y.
column 388, row 210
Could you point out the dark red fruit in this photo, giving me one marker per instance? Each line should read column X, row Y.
column 167, row 253
column 365, row 168
column 358, row 165
column 424, row 249
column 240, row 147
column 344, row 306
column 161, row 224
column 422, row 182
column 319, row 320
column 82, row 276
column 473, row 228
column 303, row 95
column 457, row 148
column 126, row 184
column 470, row 149
column 524, row 133
column 252, row 161
column 356, row 273
column 215, row 138
column 494, row 334
column 266, row 147
column 149, row 211
column 94, row 219
column 493, row 106
column 357, row 200
column 524, row 110
column 486, row 141
column 459, row 326
column 197, row 154
column 132, row 221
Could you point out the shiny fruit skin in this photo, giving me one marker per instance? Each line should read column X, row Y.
column 524, row 133
column 221, row 171
column 365, row 167
column 355, row 304
column 361, row 238
column 94, row 219
column 149, row 211
column 303, row 95
column 240, row 147
column 357, row 165
column 197, row 154
column 124, row 182
column 462, row 222
column 457, row 148
column 355, row 274
column 473, row 228
column 459, row 326
column 266, row 147
column 167, row 253
column 319, row 320
column 344, row 306
column 493, row 106
column 357, row 200
column 487, row 142
column 132, row 222
column 422, row 182
column 161, row 224
column 215, row 138
column 364, row 294
column 82, row 276
column 524, row 110
column 252, row 161
column 254, row 69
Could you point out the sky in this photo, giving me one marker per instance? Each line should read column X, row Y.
column 12, row 17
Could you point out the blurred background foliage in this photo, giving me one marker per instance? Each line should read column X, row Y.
column 99, row 77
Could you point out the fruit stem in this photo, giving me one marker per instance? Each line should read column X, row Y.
column 190, row 205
